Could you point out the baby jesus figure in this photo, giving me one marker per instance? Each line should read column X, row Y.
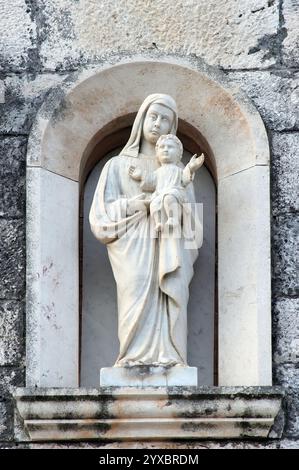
column 168, row 182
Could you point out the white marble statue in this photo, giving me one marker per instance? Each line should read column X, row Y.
column 169, row 182
column 152, row 273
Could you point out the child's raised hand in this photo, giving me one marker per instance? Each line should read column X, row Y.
column 196, row 162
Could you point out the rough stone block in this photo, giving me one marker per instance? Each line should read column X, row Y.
column 284, row 255
column 287, row 375
column 21, row 98
column 289, row 444
column 286, row 330
column 12, row 176
column 17, row 35
column 2, row 92
column 11, row 332
column 6, row 420
column 11, row 377
column 187, row 444
column 12, row 255
column 284, row 173
column 223, row 32
column 290, row 45
column 275, row 94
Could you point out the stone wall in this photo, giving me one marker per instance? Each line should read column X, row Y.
column 256, row 43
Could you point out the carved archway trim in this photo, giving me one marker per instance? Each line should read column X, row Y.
column 88, row 107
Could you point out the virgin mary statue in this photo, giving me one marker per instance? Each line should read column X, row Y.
column 152, row 273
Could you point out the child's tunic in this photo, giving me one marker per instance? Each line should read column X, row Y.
column 168, row 180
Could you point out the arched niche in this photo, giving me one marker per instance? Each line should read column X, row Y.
column 96, row 107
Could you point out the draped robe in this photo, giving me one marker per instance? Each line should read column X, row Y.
column 152, row 274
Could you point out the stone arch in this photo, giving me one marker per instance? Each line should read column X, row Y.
column 84, row 111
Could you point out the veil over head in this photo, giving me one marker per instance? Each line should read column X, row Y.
column 131, row 149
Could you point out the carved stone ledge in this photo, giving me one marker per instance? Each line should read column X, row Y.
column 113, row 413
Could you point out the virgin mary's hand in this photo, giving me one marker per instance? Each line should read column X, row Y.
column 136, row 204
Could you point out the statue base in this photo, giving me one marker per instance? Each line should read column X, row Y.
column 147, row 376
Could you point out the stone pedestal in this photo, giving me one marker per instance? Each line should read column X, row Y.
column 146, row 376
column 147, row 414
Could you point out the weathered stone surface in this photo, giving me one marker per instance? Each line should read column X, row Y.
column 244, row 287
column 289, row 444
column 17, row 35
column 52, row 304
column 287, row 375
column 11, row 377
column 242, row 35
column 286, row 330
column 6, row 413
column 2, row 92
column 22, row 96
column 12, row 176
column 221, row 444
column 290, row 45
column 284, row 255
column 275, row 94
column 284, row 173
column 12, row 256
column 119, row 413
column 11, row 332
column 12, row 445
column 223, row 34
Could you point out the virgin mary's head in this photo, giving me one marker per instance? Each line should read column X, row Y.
column 158, row 121
column 156, row 116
